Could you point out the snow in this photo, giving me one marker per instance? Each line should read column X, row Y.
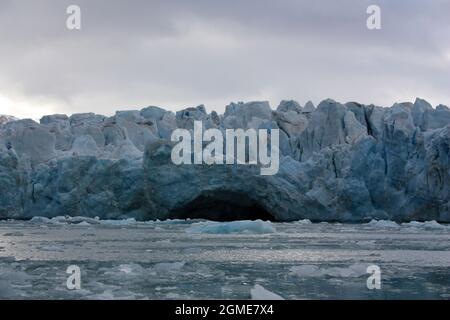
column 85, row 221
column 106, row 295
column 244, row 226
column 430, row 225
column 258, row 292
column 39, row 219
column 131, row 269
column 306, row 271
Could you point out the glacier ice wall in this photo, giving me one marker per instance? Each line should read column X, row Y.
column 339, row 162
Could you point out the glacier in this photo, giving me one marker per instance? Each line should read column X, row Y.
column 339, row 162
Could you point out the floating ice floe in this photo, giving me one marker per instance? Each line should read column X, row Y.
column 244, row 226
column 126, row 271
column 106, row 295
column 304, row 221
column 427, row 225
column 84, row 224
column 123, row 222
column 431, row 225
column 65, row 220
column 258, row 292
column 382, row 224
column 352, row 271
column 85, row 221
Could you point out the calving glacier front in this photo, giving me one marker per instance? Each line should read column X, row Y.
column 338, row 162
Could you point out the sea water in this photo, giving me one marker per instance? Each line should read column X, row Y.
column 194, row 259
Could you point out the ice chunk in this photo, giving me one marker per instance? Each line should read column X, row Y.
column 38, row 219
column 131, row 269
column 258, row 292
column 430, row 225
column 84, row 224
column 382, row 224
column 352, row 271
column 304, row 221
column 125, row 222
column 81, row 221
column 244, row 226
column 306, row 271
column 106, row 295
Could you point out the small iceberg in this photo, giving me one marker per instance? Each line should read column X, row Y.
column 304, row 221
column 60, row 220
column 244, row 226
column 382, row 224
column 123, row 222
column 258, row 292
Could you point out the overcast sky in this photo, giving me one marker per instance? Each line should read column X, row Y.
column 176, row 54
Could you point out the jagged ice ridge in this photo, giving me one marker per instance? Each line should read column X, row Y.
column 338, row 162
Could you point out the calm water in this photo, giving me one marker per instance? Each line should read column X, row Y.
column 166, row 260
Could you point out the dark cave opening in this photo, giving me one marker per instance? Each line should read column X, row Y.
column 222, row 206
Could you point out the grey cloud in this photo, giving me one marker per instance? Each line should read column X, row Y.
column 179, row 53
